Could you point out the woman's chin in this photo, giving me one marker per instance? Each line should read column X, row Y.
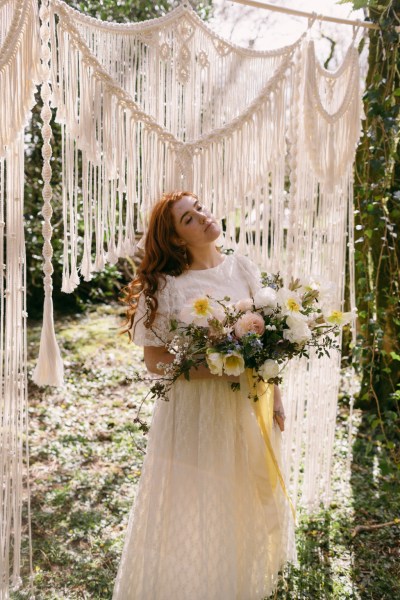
column 213, row 232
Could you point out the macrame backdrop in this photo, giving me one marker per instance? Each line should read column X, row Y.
column 19, row 74
column 267, row 139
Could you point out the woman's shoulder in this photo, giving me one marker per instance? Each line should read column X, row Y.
column 249, row 270
column 245, row 261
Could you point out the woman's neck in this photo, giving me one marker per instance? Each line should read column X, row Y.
column 205, row 257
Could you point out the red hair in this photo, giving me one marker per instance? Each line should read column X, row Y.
column 163, row 254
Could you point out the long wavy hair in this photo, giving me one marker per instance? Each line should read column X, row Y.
column 163, row 254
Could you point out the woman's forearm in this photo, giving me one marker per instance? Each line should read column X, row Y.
column 153, row 361
column 203, row 372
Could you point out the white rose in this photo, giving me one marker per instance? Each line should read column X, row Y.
column 269, row 369
column 215, row 362
column 266, row 297
column 244, row 305
column 298, row 332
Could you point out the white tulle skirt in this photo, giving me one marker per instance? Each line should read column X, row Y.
column 208, row 523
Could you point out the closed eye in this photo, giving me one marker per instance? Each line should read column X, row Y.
column 199, row 208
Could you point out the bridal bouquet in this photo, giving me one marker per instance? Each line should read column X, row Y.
column 261, row 333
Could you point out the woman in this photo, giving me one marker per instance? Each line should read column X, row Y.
column 210, row 521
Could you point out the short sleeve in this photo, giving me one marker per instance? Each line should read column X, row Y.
column 250, row 271
column 159, row 332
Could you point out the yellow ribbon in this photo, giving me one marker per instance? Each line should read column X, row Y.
column 264, row 410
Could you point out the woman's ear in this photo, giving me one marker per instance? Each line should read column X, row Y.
column 178, row 241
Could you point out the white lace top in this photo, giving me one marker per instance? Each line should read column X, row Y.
column 237, row 277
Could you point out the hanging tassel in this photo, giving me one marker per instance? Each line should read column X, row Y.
column 49, row 369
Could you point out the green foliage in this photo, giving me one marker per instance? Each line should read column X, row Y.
column 357, row 4
column 123, row 11
column 377, row 221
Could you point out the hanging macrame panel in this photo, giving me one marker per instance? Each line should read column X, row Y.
column 267, row 139
column 320, row 237
column 160, row 105
column 19, row 59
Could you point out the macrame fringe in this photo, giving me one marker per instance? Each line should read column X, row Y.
column 19, row 59
column 18, row 78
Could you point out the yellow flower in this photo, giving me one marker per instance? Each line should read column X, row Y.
column 197, row 311
column 292, row 305
column 337, row 317
column 290, row 302
column 233, row 363
column 201, row 307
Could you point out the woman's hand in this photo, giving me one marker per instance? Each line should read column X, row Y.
column 279, row 413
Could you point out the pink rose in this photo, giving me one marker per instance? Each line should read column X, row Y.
column 250, row 322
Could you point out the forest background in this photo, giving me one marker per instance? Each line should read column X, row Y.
column 83, row 323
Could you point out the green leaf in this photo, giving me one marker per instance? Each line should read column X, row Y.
column 174, row 325
column 395, row 356
column 357, row 4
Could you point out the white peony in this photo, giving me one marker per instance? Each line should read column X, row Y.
column 266, row 297
column 215, row 362
column 298, row 332
column 269, row 369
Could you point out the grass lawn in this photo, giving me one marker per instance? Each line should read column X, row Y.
column 86, row 454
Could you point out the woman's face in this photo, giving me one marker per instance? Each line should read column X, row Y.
column 194, row 224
